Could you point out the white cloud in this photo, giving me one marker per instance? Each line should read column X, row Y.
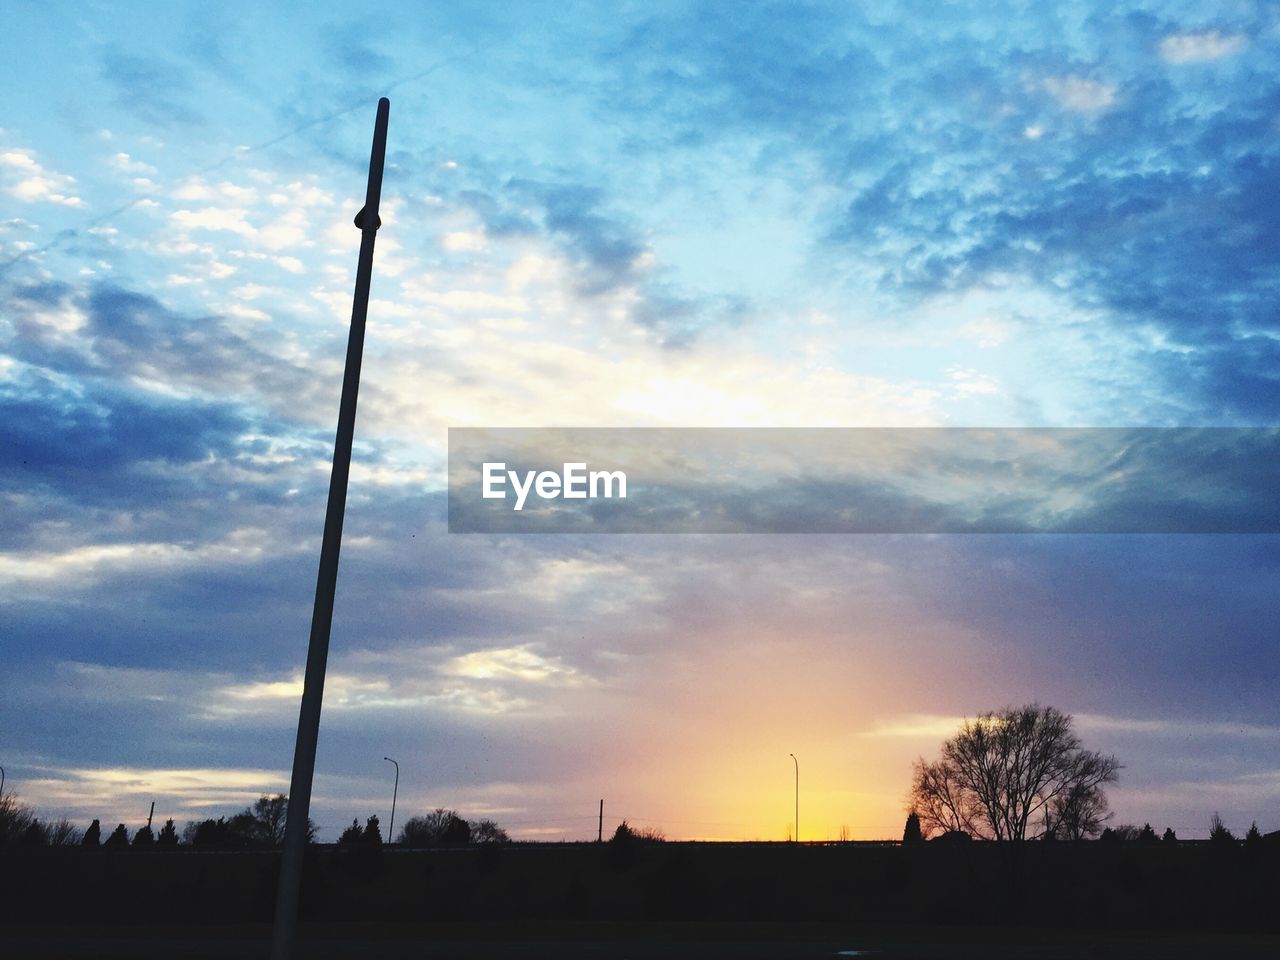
column 512, row 663
column 34, row 184
column 76, row 564
column 214, row 218
column 1201, row 47
column 917, row 725
column 127, row 164
column 463, row 240
column 1080, row 94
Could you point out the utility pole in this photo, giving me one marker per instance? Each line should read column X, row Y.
column 151, row 814
column 304, row 751
column 793, row 757
column 600, row 829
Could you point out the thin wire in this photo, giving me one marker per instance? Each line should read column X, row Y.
column 110, row 215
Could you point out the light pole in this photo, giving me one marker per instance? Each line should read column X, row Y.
column 793, row 757
column 394, row 790
column 1, row 783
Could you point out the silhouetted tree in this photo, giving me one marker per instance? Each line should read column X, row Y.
column 168, row 836
column 911, row 833
column 1078, row 814
column 626, row 834
column 119, row 837
column 261, row 825
column 1253, row 839
column 93, row 836
column 36, row 834
column 372, row 832
column 1169, row 835
column 270, row 814
column 144, row 837
column 1003, row 772
column 352, row 835
column 243, row 830
column 440, row 827
column 1218, row 831
column 486, row 831
column 1147, row 834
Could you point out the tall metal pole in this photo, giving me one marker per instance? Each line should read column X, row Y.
column 391, row 836
column 793, row 757
column 304, row 751
column 600, row 828
column 1, row 783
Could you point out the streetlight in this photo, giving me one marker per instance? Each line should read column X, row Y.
column 394, row 790
column 793, row 757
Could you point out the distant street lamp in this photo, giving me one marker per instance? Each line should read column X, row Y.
column 793, row 757
column 394, row 790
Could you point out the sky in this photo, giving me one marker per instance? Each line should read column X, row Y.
column 624, row 215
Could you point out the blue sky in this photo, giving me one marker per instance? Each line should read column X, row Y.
column 624, row 215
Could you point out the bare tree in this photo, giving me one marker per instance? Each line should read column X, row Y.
column 64, row 833
column 486, row 831
column 1012, row 775
column 270, row 813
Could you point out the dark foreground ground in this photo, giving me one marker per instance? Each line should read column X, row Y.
column 684, row 900
column 621, row 941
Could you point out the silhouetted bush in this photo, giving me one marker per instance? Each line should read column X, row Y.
column 352, row 835
column 1147, row 834
column 373, row 832
column 1169, row 835
column 911, row 833
column 15, row 818
column 119, row 837
column 144, row 837
column 93, row 836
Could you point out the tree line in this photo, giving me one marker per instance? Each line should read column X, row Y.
column 258, row 826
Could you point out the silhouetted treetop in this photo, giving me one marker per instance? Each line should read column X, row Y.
column 168, row 836
column 1218, row 831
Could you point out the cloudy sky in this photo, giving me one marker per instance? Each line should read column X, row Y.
column 1036, row 215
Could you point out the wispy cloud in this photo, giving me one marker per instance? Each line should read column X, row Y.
column 1201, row 47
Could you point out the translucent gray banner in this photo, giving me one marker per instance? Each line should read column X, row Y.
column 872, row 480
